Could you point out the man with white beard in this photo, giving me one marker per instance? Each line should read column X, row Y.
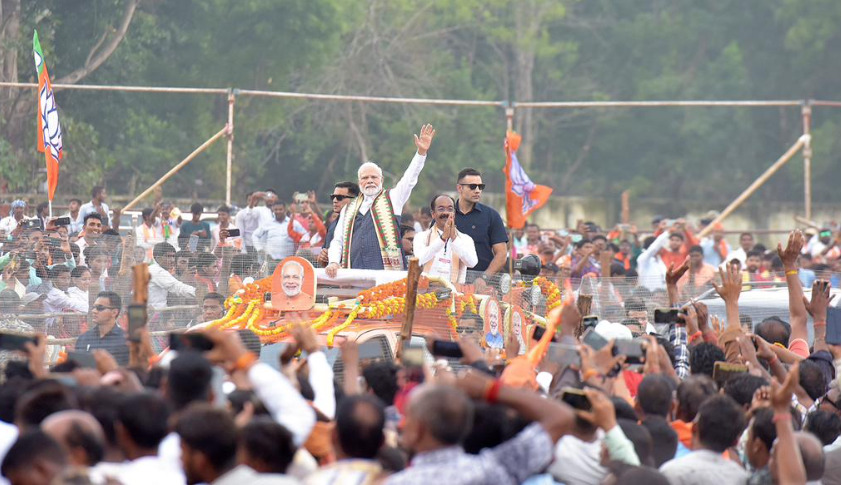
column 367, row 233
column 292, row 285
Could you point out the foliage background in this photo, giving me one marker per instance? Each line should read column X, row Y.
column 530, row 50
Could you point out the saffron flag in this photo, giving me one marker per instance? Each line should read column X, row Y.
column 49, row 128
column 522, row 196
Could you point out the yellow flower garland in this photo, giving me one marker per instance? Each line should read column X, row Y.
column 335, row 330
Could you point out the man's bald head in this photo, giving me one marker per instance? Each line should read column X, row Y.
column 79, row 433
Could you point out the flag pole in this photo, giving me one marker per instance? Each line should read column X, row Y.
column 510, row 114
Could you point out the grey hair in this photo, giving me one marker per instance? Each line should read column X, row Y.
column 295, row 264
column 369, row 165
column 445, row 411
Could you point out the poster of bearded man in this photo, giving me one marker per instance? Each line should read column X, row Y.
column 293, row 285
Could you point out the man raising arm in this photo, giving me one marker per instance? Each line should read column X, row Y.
column 367, row 235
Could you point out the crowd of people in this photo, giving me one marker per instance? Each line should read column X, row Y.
column 699, row 401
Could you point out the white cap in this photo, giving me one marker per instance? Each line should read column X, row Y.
column 617, row 331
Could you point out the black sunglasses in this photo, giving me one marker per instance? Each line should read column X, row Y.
column 339, row 197
column 100, row 308
column 474, row 186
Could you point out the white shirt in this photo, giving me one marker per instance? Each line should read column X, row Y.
column 150, row 469
column 398, row 196
column 162, row 283
column 8, row 435
column 283, row 401
column 738, row 254
column 59, row 301
column 9, row 224
column 442, row 254
column 577, row 462
column 651, row 270
column 79, row 295
column 702, row 467
column 147, row 237
column 76, row 224
column 169, row 450
column 321, row 380
column 273, row 238
column 250, row 218
column 89, row 208
column 236, row 242
column 82, row 243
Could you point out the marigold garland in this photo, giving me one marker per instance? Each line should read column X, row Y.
column 549, row 290
column 246, row 310
column 335, row 330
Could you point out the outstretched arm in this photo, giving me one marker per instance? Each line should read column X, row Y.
column 400, row 194
column 797, row 311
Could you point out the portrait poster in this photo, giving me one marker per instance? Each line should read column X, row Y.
column 493, row 329
column 293, row 285
column 516, row 322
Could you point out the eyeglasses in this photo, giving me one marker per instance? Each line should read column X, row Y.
column 340, row 197
column 474, row 186
column 465, row 330
column 101, row 308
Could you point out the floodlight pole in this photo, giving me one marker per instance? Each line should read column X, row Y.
column 230, row 157
column 807, row 153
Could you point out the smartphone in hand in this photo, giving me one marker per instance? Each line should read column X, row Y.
column 15, row 341
column 576, row 398
column 444, row 348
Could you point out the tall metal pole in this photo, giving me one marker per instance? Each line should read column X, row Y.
column 230, row 158
column 806, row 117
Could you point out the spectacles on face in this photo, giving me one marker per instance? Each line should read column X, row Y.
column 474, row 186
column 339, row 197
column 465, row 330
column 102, row 308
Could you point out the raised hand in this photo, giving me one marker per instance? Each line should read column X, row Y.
column 819, row 300
column 760, row 399
column 790, row 255
column 451, row 225
column 691, row 319
column 731, row 286
column 425, row 139
column 675, row 274
column 306, row 338
column 322, row 257
column 602, row 412
column 781, row 395
column 764, row 350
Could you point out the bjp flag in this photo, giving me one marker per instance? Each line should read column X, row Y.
column 522, row 196
column 49, row 128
